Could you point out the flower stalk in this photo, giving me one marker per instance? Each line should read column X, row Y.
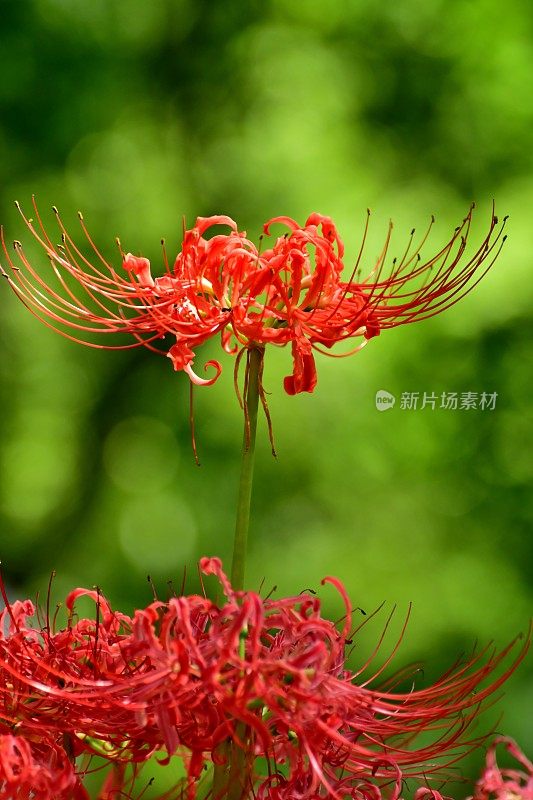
column 229, row 778
column 242, row 523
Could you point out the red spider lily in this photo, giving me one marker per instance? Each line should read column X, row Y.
column 292, row 293
column 504, row 784
column 265, row 676
column 37, row 769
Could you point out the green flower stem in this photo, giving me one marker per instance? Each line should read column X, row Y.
column 220, row 774
column 230, row 777
column 251, row 403
column 238, row 783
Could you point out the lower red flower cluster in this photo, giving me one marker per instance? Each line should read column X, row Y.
column 505, row 784
column 265, row 679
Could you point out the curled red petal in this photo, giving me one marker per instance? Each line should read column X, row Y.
column 213, row 566
column 204, row 223
column 140, row 267
column 181, row 355
column 344, row 594
column 204, row 381
column 287, row 221
column 304, row 377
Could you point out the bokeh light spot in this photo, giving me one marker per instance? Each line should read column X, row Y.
column 158, row 533
column 141, row 455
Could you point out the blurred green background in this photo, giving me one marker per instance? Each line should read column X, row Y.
column 140, row 112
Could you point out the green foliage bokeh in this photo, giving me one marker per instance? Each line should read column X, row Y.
column 139, row 113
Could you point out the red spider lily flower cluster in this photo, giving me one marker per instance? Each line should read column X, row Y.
column 267, row 677
column 505, row 784
column 38, row 769
column 292, row 293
